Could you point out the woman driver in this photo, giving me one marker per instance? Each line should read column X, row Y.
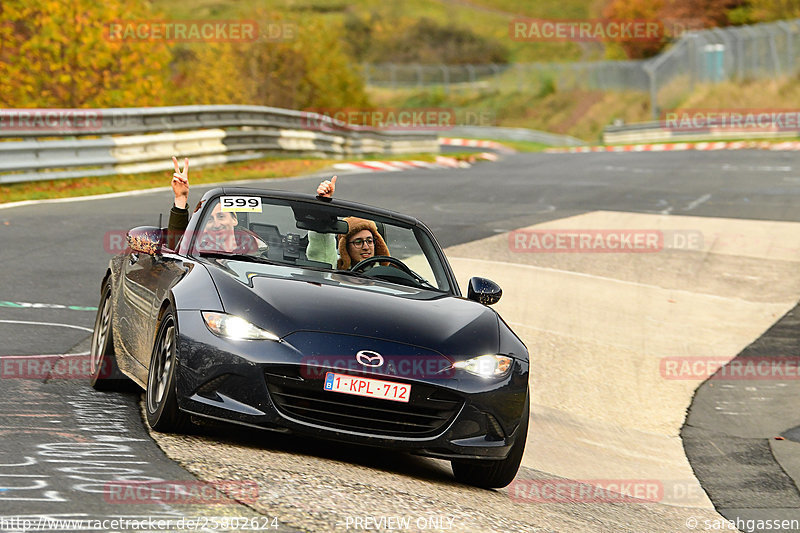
column 362, row 240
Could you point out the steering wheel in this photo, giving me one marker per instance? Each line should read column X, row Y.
column 361, row 265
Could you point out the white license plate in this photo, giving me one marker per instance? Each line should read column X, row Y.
column 374, row 388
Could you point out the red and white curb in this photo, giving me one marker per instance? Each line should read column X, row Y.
column 397, row 166
column 678, row 147
column 475, row 143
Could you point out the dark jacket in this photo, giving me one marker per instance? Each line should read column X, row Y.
column 178, row 220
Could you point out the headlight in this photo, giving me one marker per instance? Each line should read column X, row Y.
column 233, row 327
column 486, row 366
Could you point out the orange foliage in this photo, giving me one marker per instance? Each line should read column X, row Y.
column 58, row 54
column 306, row 68
column 676, row 16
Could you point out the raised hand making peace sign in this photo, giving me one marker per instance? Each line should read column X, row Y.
column 180, row 183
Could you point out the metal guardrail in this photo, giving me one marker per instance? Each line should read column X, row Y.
column 658, row 131
column 128, row 140
column 513, row 134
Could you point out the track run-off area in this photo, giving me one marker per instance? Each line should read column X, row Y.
column 631, row 277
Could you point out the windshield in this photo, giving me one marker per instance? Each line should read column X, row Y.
column 321, row 237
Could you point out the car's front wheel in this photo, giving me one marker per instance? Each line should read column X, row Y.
column 106, row 375
column 160, row 398
column 493, row 474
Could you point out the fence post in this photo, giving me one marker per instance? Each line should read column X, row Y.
column 773, row 50
column 419, row 75
column 495, row 71
column 651, row 75
column 753, row 38
column 739, row 54
column 692, row 51
column 445, row 78
column 729, row 51
column 393, row 75
column 786, row 27
column 366, row 67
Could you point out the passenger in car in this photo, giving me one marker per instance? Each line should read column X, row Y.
column 220, row 231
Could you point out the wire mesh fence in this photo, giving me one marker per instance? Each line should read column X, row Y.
column 516, row 76
column 768, row 50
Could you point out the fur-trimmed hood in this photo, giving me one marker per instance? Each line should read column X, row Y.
column 355, row 225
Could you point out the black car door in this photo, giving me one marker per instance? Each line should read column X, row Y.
column 136, row 303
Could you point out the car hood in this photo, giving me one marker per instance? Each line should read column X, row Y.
column 284, row 300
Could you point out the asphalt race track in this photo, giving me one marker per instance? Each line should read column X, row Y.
column 591, row 320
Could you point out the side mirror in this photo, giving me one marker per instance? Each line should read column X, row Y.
column 145, row 239
column 484, row 291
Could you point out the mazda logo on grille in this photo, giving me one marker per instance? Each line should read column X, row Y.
column 369, row 358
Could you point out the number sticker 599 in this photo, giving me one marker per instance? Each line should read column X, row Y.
column 240, row 204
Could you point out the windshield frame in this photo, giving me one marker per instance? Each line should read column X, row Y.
column 187, row 247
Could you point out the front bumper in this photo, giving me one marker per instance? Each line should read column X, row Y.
column 274, row 385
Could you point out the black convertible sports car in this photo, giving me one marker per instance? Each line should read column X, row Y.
column 273, row 335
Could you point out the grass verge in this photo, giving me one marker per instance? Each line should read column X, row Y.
column 522, row 146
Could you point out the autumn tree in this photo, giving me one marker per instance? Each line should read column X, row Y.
column 703, row 13
column 675, row 17
column 635, row 10
column 375, row 39
column 769, row 10
column 755, row 11
column 304, row 67
column 60, row 54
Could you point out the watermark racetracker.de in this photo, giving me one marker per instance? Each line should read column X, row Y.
column 181, row 492
column 424, row 367
column 42, row 367
column 46, row 122
column 571, row 491
column 697, row 120
column 195, row 31
column 726, row 369
column 586, row 491
column 585, row 30
column 603, row 240
column 27, row 121
column 388, row 118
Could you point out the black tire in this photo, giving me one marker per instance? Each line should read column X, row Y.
column 161, row 403
column 106, row 375
column 493, row 474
